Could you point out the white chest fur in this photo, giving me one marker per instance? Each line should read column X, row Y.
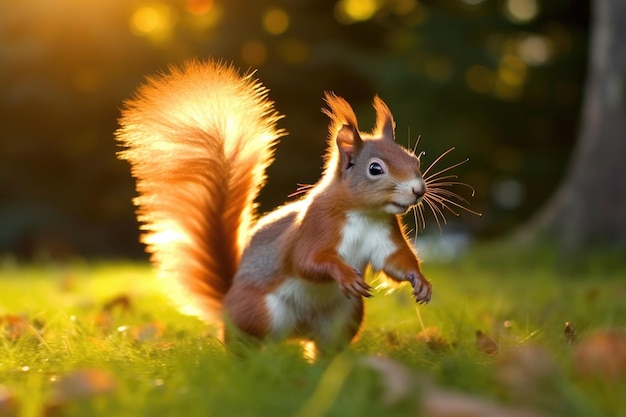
column 300, row 307
column 365, row 240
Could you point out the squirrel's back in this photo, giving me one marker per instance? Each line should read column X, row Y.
column 198, row 139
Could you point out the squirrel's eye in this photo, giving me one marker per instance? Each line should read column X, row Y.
column 376, row 169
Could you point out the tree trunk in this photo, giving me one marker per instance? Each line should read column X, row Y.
column 590, row 205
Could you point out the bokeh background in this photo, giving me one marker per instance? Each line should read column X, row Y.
column 500, row 80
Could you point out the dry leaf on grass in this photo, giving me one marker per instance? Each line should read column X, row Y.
column 569, row 332
column 399, row 383
column 486, row 344
column 148, row 332
column 397, row 380
column 438, row 402
column 121, row 302
column 433, row 339
column 16, row 327
column 104, row 319
column 77, row 386
column 602, row 354
column 526, row 372
column 8, row 403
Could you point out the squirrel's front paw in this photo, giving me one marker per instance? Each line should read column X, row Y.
column 421, row 287
column 353, row 284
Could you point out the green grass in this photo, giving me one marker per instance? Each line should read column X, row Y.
column 150, row 360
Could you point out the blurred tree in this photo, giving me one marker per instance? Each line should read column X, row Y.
column 498, row 79
column 590, row 205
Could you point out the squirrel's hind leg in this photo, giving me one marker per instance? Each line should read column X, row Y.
column 337, row 332
column 246, row 318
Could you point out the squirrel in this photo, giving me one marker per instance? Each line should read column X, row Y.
column 198, row 139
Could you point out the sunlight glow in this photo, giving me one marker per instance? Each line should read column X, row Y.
column 521, row 11
column 534, row 50
column 512, row 70
column 169, row 234
column 206, row 20
column 275, row 21
column 511, row 76
column 352, row 11
column 154, row 21
column 199, row 6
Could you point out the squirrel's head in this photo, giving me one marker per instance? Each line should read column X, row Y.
column 378, row 173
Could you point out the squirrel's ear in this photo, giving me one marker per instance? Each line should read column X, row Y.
column 348, row 142
column 385, row 125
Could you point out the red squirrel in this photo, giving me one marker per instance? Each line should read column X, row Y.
column 199, row 139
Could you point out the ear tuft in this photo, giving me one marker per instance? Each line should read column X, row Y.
column 385, row 125
column 339, row 111
column 348, row 142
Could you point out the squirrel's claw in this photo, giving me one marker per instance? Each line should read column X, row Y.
column 422, row 289
column 356, row 287
column 362, row 288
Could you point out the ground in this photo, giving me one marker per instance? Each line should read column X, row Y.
column 102, row 339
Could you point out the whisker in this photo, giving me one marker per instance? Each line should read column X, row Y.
column 437, row 160
column 420, row 221
column 417, row 143
column 441, row 199
column 445, row 177
column 302, row 188
column 447, row 169
column 435, row 210
column 437, row 185
column 438, row 197
column 417, row 225
column 447, row 193
column 421, row 213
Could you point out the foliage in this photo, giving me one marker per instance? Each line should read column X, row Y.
column 500, row 80
column 102, row 340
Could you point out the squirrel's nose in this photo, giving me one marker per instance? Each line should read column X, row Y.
column 419, row 190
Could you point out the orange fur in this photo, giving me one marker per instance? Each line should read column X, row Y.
column 199, row 139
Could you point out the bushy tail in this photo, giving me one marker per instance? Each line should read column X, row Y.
column 198, row 140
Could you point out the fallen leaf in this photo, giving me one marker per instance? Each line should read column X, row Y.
column 569, row 332
column 82, row 384
column 14, row 327
column 437, row 402
column 17, row 327
column 486, row 344
column 601, row 354
column 392, row 338
column 528, row 371
column 433, row 339
column 104, row 319
column 122, row 302
column 396, row 378
column 8, row 404
column 400, row 383
column 148, row 332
